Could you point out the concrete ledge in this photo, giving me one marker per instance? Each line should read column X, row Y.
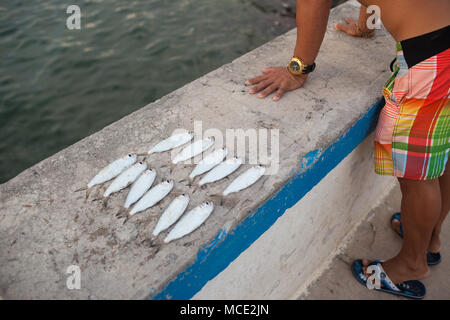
column 46, row 227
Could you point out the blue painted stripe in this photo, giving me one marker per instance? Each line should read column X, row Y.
column 217, row 254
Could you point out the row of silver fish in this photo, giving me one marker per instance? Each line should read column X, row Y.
column 145, row 197
column 127, row 172
column 213, row 162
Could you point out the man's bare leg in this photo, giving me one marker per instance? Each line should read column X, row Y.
column 444, row 183
column 421, row 209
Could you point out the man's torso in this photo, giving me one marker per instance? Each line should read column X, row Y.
column 405, row 19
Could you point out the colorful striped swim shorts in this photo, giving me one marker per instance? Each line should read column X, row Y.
column 412, row 138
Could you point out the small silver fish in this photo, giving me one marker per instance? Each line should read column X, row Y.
column 172, row 142
column 126, row 178
column 172, row 213
column 190, row 221
column 140, row 186
column 221, row 171
column 113, row 169
column 193, row 149
column 209, row 162
column 245, row 180
column 153, row 196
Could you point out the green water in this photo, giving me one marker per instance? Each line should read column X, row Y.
column 58, row 85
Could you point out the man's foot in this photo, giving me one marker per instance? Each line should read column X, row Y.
column 380, row 280
column 399, row 270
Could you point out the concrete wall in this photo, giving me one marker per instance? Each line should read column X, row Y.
column 45, row 226
column 301, row 243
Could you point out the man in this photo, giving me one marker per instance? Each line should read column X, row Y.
column 412, row 139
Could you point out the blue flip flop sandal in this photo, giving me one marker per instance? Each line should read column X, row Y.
column 433, row 258
column 413, row 289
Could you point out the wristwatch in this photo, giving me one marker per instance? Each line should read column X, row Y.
column 297, row 67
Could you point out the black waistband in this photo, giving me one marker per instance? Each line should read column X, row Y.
column 422, row 47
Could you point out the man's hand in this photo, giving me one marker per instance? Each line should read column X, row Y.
column 277, row 79
column 351, row 28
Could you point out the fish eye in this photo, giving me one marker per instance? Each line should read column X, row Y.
column 183, row 194
column 235, row 158
column 130, row 155
column 140, row 162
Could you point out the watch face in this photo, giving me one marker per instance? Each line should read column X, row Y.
column 294, row 66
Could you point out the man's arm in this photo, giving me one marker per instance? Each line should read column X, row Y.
column 312, row 18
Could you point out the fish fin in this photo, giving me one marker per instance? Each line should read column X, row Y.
column 81, row 189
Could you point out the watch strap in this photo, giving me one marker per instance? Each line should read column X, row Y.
column 308, row 69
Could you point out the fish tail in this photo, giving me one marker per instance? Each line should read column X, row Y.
column 81, row 189
column 126, row 219
column 121, row 212
column 105, row 203
column 88, row 192
column 148, row 242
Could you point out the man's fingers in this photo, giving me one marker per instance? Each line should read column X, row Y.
column 278, row 95
column 268, row 90
column 268, row 70
column 350, row 21
column 342, row 27
column 263, row 84
column 255, row 80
